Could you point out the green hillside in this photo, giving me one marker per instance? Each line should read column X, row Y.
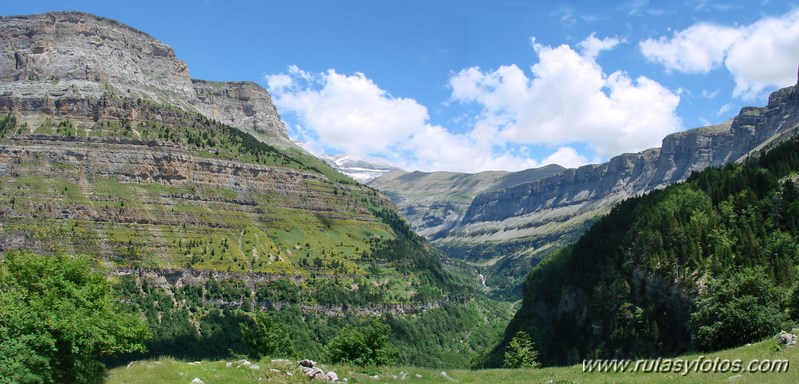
column 706, row 264
column 202, row 225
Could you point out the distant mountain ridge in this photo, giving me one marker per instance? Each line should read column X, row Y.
column 435, row 202
column 509, row 229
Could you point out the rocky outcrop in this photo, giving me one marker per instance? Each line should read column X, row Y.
column 240, row 104
column 310, row 369
column 93, row 54
column 71, row 64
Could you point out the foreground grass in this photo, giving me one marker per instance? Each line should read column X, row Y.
column 168, row 370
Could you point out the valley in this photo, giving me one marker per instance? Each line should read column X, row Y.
column 183, row 207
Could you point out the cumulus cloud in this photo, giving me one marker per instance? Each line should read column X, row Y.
column 348, row 112
column 697, row 49
column 570, row 99
column 564, row 101
column 742, row 50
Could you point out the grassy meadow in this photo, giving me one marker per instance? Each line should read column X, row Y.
column 168, row 371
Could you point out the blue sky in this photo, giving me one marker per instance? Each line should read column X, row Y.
column 477, row 85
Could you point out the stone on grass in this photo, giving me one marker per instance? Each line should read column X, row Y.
column 313, row 372
column 787, row 339
column 444, row 375
column 332, row 376
column 307, row 363
column 197, row 381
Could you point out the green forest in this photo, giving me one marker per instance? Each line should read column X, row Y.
column 707, row 264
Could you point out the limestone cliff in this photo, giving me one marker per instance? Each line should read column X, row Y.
column 109, row 148
column 435, row 202
column 68, row 64
column 240, row 104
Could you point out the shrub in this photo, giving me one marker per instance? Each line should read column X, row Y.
column 58, row 318
column 742, row 308
column 363, row 348
column 266, row 336
column 521, row 352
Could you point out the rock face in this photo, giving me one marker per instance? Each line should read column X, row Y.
column 69, row 64
column 108, row 148
column 434, row 202
column 240, row 104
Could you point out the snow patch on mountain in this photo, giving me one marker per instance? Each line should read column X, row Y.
column 362, row 170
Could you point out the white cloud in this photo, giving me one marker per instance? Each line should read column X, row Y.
column 759, row 56
column 724, row 109
column 592, row 46
column 353, row 115
column 697, row 49
column 350, row 113
column 280, row 81
column 567, row 101
column 567, row 157
column 570, row 99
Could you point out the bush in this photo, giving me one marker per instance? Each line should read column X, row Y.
column 363, row 348
column 58, row 318
column 521, row 352
column 742, row 308
column 266, row 336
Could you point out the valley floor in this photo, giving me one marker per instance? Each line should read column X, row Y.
column 168, row 371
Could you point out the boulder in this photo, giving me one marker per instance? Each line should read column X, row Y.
column 787, row 339
column 332, row 376
column 244, row 363
column 313, row 372
column 307, row 363
column 446, row 376
column 197, row 381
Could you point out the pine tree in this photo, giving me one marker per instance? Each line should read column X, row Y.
column 521, row 352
